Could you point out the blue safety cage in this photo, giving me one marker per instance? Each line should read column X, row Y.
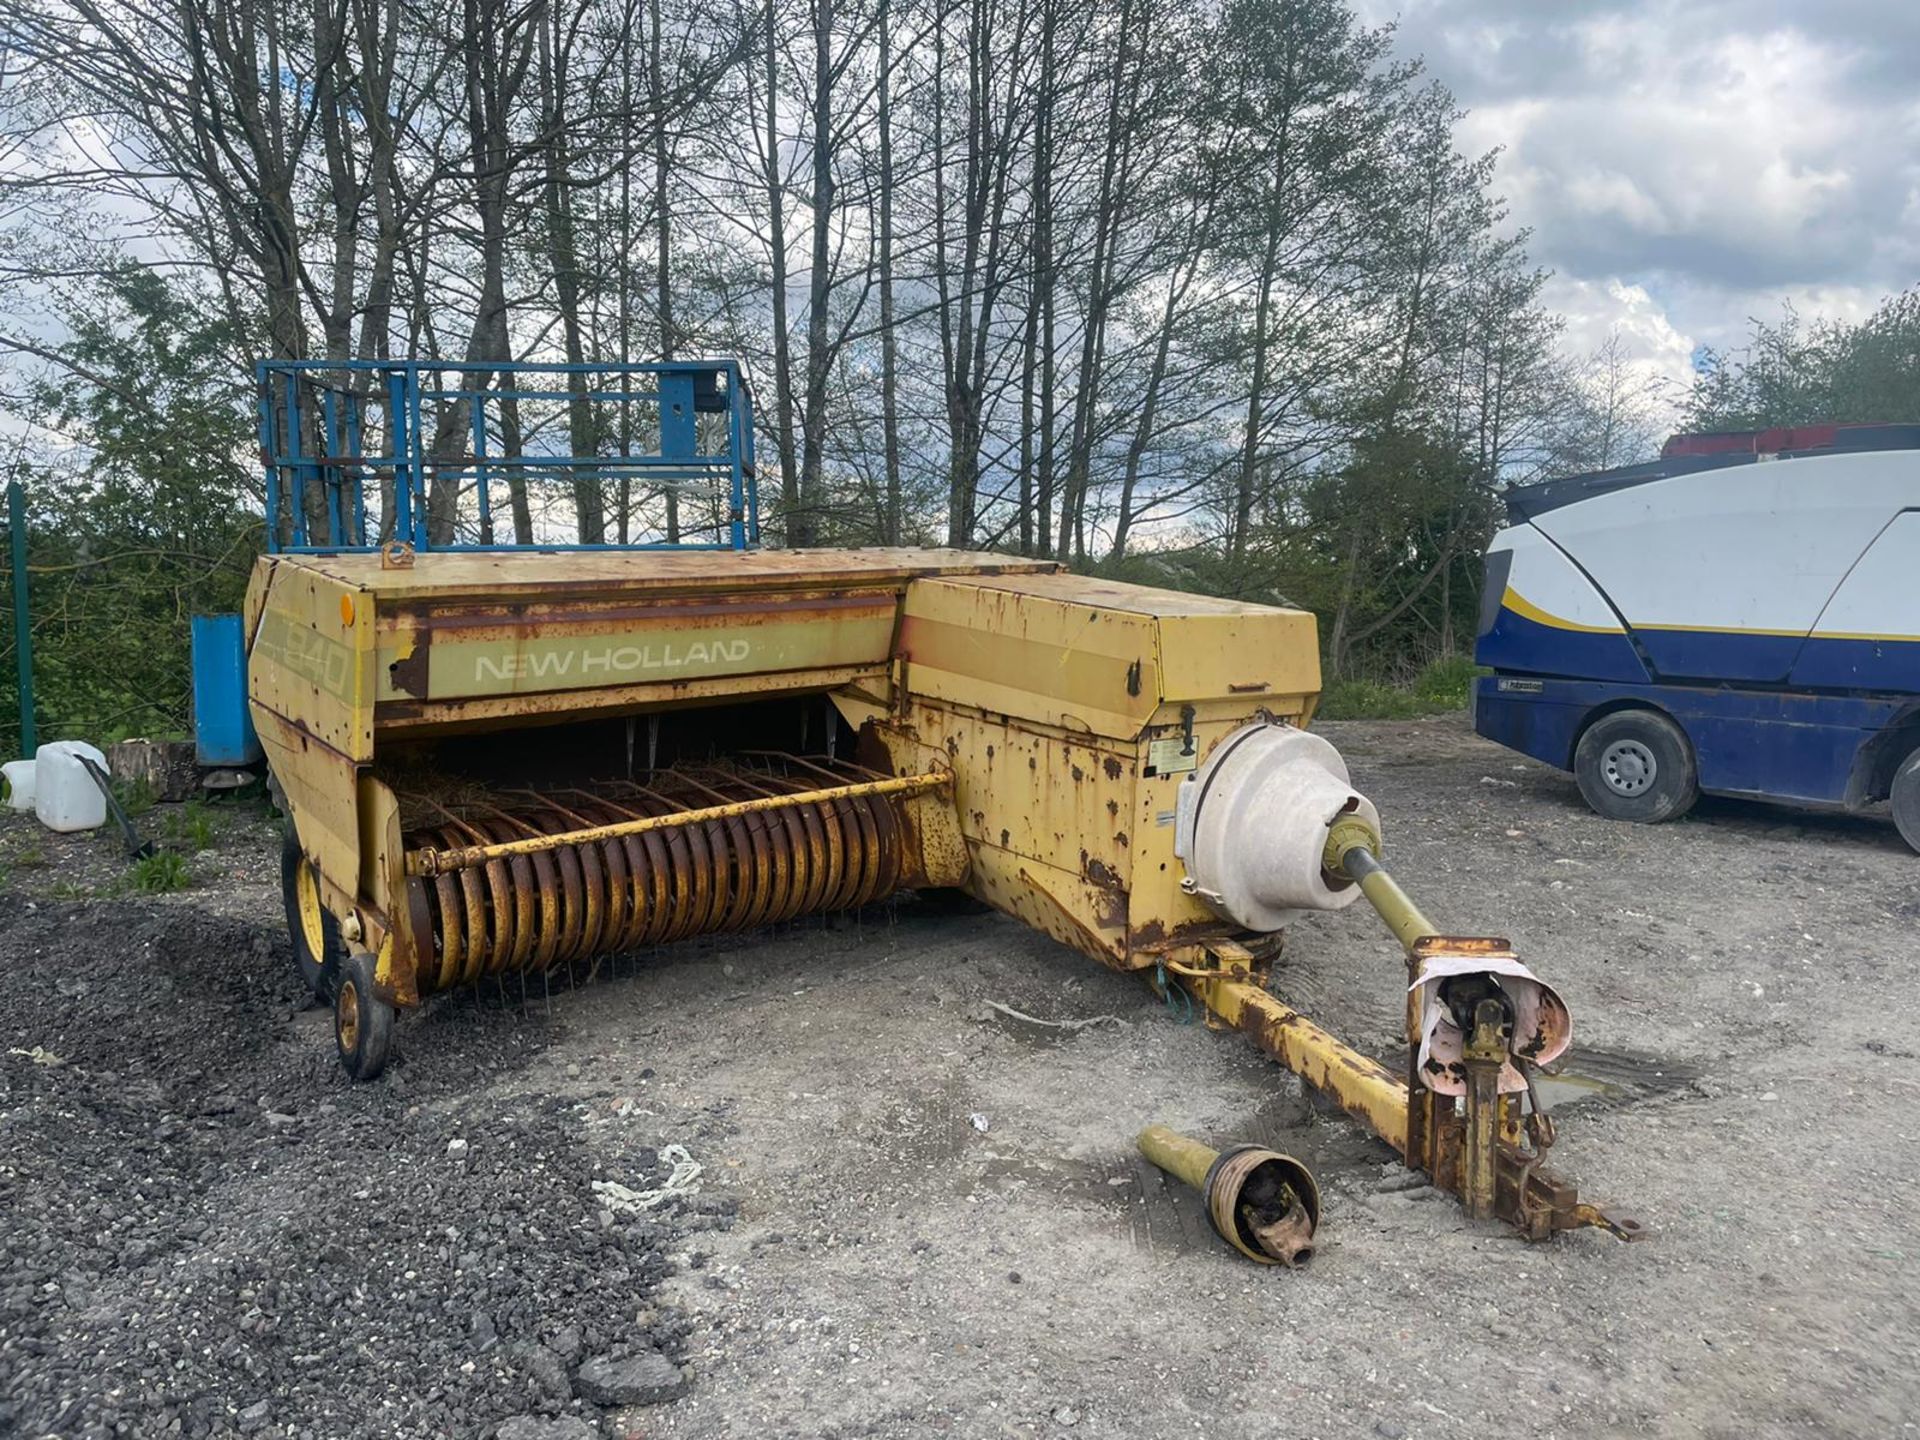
column 440, row 455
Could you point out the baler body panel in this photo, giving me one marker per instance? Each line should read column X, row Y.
column 1073, row 708
column 1062, row 712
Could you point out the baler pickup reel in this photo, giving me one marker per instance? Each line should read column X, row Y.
column 1479, row 1024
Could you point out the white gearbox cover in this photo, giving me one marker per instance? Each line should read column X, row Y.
column 1252, row 821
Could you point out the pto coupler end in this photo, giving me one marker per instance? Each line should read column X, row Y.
column 1262, row 1203
column 1480, row 1024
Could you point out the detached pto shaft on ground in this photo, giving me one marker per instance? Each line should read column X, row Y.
column 1262, row 1203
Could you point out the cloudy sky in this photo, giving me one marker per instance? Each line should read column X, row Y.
column 1688, row 164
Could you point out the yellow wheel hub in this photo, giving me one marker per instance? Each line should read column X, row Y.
column 313, row 915
column 346, row 1016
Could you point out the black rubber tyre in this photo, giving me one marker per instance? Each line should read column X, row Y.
column 1905, row 796
column 317, row 946
column 362, row 1021
column 1636, row 765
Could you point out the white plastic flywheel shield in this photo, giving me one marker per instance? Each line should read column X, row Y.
column 1251, row 825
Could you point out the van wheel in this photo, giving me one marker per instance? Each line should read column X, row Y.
column 1905, row 796
column 1636, row 765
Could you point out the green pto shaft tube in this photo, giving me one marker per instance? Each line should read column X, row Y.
column 1353, row 852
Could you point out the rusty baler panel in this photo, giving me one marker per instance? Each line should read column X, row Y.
column 451, row 577
column 1072, row 710
column 1034, row 653
column 1094, row 654
column 1044, row 812
column 310, row 687
column 310, row 655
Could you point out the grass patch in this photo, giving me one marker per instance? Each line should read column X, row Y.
column 1369, row 700
column 161, row 873
column 191, row 826
column 1447, row 682
column 30, row 855
column 136, row 797
column 1441, row 687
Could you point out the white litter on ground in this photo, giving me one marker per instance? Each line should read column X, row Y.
column 685, row 1180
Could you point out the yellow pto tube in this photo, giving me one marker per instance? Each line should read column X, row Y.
column 1262, row 1203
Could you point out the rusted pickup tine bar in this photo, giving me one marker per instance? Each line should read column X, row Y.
column 439, row 862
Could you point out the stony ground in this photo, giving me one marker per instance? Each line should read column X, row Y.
column 207, row 1231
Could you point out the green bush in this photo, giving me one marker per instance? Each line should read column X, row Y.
column 1368, row 700
column 1441, row 687
column 1447, row 682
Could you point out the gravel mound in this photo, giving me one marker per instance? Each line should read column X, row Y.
column 209, row 1231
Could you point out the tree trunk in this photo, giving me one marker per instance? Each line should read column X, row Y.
column 1043, row 275
column 798, row 532
column 563, row 253
column 663, row 216
column 889, row 345
column 813, row 424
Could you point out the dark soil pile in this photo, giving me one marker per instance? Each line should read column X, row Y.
column 208, row 1230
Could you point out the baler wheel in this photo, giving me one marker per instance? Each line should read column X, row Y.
column 362, row 1021
column 317, row 946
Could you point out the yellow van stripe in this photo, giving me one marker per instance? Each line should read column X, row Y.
column 1516, row 602
column 1513, row 600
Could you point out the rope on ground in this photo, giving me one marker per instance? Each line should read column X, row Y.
column 1022, row 1016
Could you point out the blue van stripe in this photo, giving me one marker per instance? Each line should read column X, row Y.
column 1719, row 654
column 1846, row 663
column 1523, row 645
column 1520, row 644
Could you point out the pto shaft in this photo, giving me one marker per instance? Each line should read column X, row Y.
column 1353, row 852
column 1262, row 1203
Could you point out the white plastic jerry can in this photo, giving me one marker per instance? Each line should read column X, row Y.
column 19, row 777
column 65, row 796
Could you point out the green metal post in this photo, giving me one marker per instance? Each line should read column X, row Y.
column 22, row 628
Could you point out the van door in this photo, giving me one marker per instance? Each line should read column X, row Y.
column 1868, row 635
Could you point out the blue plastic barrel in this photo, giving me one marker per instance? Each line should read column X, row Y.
column 222, row 728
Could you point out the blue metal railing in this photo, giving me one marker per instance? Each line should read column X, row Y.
column 673, row 459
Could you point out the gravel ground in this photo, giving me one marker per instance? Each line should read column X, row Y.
column 203, row 1218
column 209, row 1231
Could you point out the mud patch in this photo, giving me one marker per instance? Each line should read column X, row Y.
column 1596, row 1078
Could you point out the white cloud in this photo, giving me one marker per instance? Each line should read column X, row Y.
column 1658, row 353
column 1687, row 166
